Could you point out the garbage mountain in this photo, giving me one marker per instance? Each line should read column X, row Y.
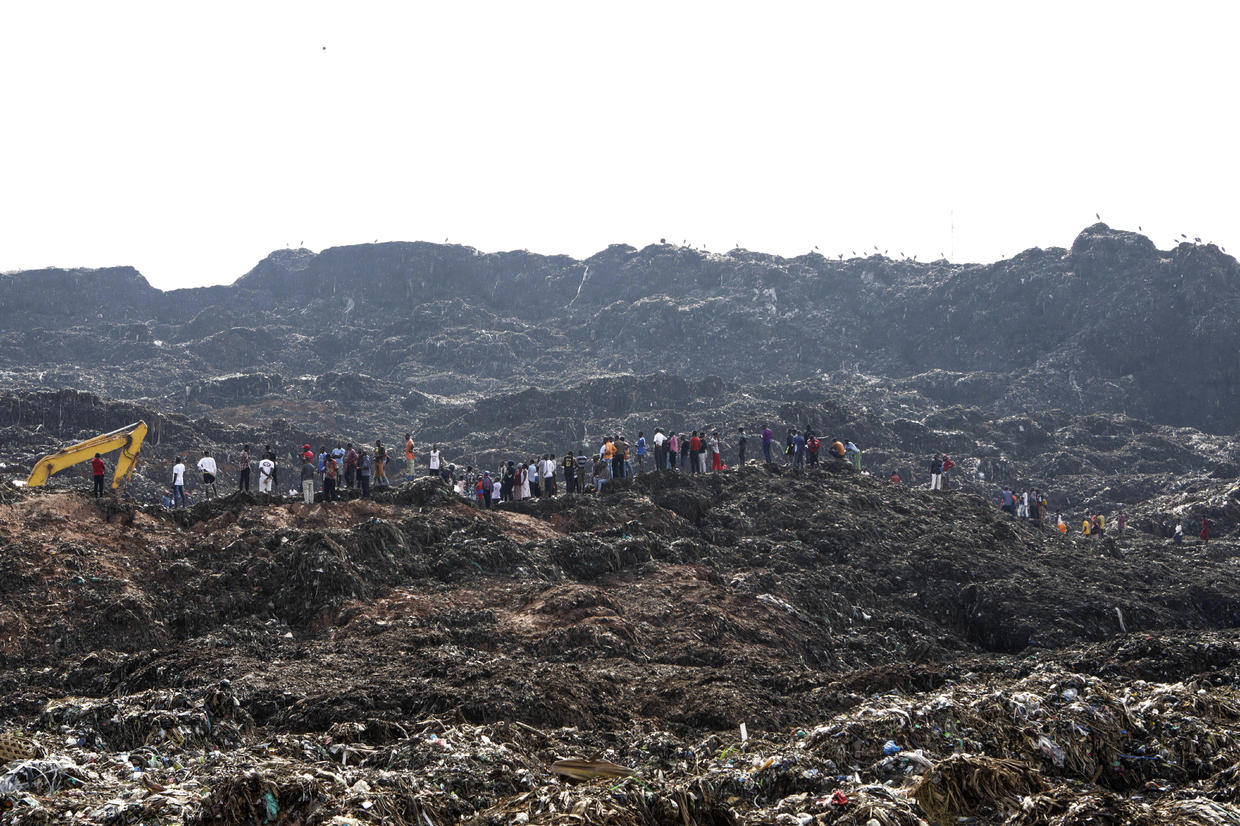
column 1111, row 325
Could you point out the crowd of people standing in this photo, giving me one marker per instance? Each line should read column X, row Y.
column 328, row 471
column 347, row 466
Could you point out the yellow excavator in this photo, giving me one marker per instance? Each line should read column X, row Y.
column 128, row 440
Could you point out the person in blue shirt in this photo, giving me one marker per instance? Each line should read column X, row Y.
column 641, row 452
column 798, row 449
column 854, row 454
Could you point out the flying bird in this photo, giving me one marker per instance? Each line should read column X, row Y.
column 1182, row 235
column 1099, row 217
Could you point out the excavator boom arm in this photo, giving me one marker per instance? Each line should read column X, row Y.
column 127, row 439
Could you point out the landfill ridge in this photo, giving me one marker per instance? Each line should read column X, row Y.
column 753, row 646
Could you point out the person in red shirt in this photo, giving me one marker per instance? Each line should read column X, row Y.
column 695, row 453
column 97, row 468
column 948, row 464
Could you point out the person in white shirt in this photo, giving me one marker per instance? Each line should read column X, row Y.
column 266, row 475
column 178, row 484
column 435, row 461
column 207, row 465
column 534, row 478
column 548, row 474
column 525, row 481
column 660, row 458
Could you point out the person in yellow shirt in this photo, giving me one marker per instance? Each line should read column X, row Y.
column 1085, row 526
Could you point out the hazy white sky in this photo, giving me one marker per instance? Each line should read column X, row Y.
column 191, row 140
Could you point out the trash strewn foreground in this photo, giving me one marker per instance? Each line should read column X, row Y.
column 753, row 647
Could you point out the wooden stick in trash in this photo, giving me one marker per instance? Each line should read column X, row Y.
column 590, row 769
column 531, row 729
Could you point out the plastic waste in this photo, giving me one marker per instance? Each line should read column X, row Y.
column 1052, row 750
column 272, row 806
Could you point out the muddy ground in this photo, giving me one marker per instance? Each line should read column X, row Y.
column 414, row 659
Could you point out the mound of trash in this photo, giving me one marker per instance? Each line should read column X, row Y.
column 760, row 645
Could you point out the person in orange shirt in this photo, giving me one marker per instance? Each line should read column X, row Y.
column 609, row 456
column 409, row 457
